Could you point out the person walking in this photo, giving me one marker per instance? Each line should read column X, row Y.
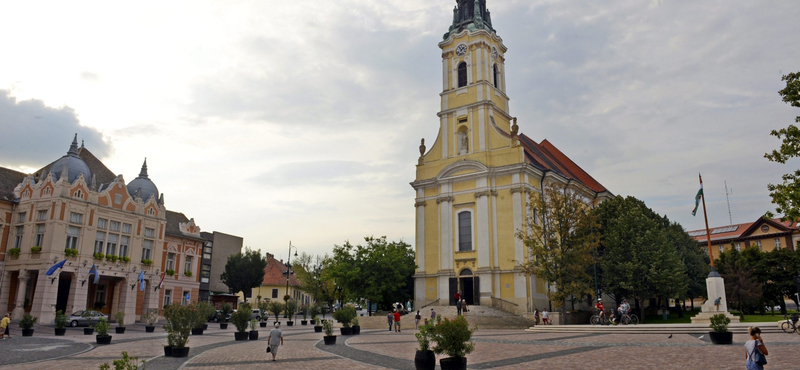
column 433, row 314
column 459, row 305
column 275, row 340
column 390, row 319
column 464, row 305
column 545, row 318
column 397, row 321
column 4, row 324
column 417, row 317
column 536, row 316
column 755, row 350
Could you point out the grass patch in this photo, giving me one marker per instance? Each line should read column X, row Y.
column 672, row 318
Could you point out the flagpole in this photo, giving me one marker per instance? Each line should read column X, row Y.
column 705, row 216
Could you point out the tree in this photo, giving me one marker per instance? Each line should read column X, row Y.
column 694, row 258
column 244, row 272
column 780, row 269
column 787, row 195
column 560, row 241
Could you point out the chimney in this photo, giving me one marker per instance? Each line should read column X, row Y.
column 270, row 256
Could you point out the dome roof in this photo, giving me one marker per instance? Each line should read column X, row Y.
column 143, row 185
column 74, row 165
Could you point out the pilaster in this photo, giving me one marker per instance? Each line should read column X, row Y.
column 43, row 303
column 19, row 301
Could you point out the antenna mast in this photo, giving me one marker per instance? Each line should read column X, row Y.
column 729, row 202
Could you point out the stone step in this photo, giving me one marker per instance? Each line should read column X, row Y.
column 740, row 328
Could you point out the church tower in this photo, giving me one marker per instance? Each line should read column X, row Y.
column 472, row 185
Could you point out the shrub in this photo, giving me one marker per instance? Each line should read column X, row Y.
column 263, row 308
column 126, row 363
column 120, row 317
column 354, row 322
column 304, row 311
column 276, row 308
column 327, row 327
column 187, row 273
column 253, row 325
column 69, row 252
column 28, row 321
column 61, row 320
column 170, row 272
column 719, row 323
column 125, row 259
column 345, row 315
column 36, row 249
column 102, row 327
column 241, row 317
column 452, row 337
column 179, row 323
column 111, row 258
column 316, row 321
column 147, row 262
column 151, row 316
column 424, row 336
column 99, row 256
column 13, row 252
column 224, row 310
column 204, row 311
column 314, row 311
column 291, row 308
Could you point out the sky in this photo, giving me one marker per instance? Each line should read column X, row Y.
column 300, row 120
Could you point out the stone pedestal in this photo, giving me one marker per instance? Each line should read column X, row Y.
column 715, row 286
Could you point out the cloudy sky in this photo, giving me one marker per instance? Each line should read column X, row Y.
column 300, row 120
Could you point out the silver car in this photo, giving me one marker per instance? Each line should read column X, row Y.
column 78, row 319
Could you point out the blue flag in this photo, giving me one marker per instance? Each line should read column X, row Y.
column 94, row 271
column 141, row 280
column 55, row 267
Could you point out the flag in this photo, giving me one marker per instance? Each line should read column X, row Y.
column 160, row 283
column 141, row 280
column 697, row 199
column 55, row 267
column 94, row 271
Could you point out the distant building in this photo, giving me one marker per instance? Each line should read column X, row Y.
column 767, row 235
column 273, row 286
column 216, row 250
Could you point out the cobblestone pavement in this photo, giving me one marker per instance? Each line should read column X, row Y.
column 381, row 349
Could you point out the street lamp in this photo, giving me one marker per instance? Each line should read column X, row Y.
column 289, row 266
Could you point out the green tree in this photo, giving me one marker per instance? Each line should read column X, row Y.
column 694, row 258
column 558, row 236
column 780, row 267
column 244, row 271
column 787, row 195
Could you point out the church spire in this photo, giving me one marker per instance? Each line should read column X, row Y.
column 143, row 172
column 471, row 15
column 73, row 149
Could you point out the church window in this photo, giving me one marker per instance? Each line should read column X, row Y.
column 496, row 75
column 464, row 231
column 462, row 74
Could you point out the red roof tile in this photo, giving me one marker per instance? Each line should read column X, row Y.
column 547, row 157
column 274, row 273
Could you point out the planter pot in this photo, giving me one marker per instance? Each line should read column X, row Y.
column 721, row 338
column 120, row 330
column 27, row 332
column 167, row 351
column 149, row 329
column 290, row 323
column 103, row 340
column 254, row 335
column 197, row 331
column 61, row 331
column 453, row 363
column 180, row 352
column 205, row 327
column 329, row 340
column 357, row 330
column 317, row 329
column 425, row 360
column 223, row 326
column 241, row 336
column 263, row 324
column 346, row 331
column 304, row 322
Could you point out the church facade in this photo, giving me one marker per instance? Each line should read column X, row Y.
column 472, row 185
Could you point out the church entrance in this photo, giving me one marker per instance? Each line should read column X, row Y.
column 468, row 285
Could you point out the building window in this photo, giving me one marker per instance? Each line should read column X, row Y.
column 72, row 237
column 111, row 245
column 124, row 241
column 187, row 265
column 149, row 233
column 78, row 193
column 102, row 223
column 207, row 253
column 147, row 246
column 757, row 243
column 464, row 231
column 100, row 294
column 114, row 226
column 167, row 297
column 39, row 240
column 738, row 247
column 118, row 199
column 75, row 218
column 41, row 216
column 126, row 228
column 274, row 293
column 721, row 249
column 205, row 273
column 496, row 75
column 18, row 237
column 21, row 218
column 171, row 261
column 462, row 74
column 99, row 242
column 185, row 298
column 777, row 244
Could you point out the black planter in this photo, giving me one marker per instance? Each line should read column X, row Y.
column 120, row 330
column 205, row 327
column 721, row 338
column 88, row 331
column 180, row 352
column 357, row 330
column 149, row 329
column 167, row 351
column 425, row 360
column 329, row 340
column 263, row 324
column 346, row 331
column 61, row 331
column 241, row 336
column 254, row 335
column 223, row 326
column 27, row 332
column 290, row 323
column 453, row 363
column 197, row 331
column 317, row 329
column 303, row 322
column 103, row 340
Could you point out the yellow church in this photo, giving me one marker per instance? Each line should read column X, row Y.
column 472, row 185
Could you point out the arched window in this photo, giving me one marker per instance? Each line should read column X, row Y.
column 496, row 77
column 462, row 74
column 464, row 231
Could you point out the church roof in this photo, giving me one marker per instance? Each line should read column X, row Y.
column 465, row 16
column 547, row 157
column 9, row 179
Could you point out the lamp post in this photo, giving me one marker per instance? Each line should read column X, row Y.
column 289, row 266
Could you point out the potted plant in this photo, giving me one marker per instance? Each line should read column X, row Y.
column 345, row 316
column 304, row 312
column 203, row 310
column 61, row 323
column 317, row 325
column 27, row 324
column 425, row 358
column 253, row 329
column 329, row 338
column 180, row 320
column 102, row 331
column 151, row 316
column 170, row 272
column 291, row 309
column 187, row 273
column 224, row 310
column 355, row 326
column 90, row 319
column 120, row 317
column 98, row 256
column 276, row 308
column 170, row 344
column 240, row 319
column 720, row 333
column 314, row 311
column 13, row 252
column 147, row 262
column 263, row 307
column 69, row 252
column 36, row 249
column 452, row 338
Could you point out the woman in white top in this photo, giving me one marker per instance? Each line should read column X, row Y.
column 754, row 344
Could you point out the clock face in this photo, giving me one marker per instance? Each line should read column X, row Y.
column 461, row 50
column 494, row 52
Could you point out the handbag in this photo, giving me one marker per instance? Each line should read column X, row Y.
column 757, row 356
column 269, row 349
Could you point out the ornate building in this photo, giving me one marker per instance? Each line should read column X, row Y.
column 472, row 185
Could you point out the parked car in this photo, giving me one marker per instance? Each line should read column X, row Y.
column 256, row 314
column 217, row 315
column 77, row 319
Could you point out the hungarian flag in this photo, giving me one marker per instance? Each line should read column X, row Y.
column 697, row 198
column 161, row 283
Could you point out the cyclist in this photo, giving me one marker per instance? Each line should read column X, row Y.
column 601, row 310
column 625, row 309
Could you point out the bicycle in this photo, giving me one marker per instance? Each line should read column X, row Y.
column 597, row 319
column 630, row 319
column 790, row 325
